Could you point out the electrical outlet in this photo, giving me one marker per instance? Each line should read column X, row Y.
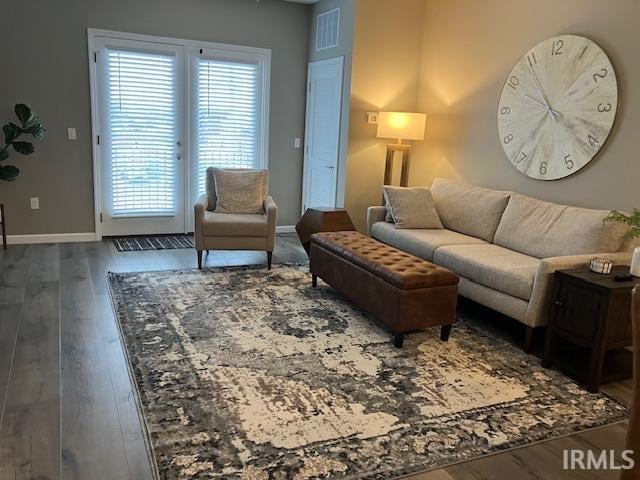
column 35, row 203
column 71, row 133
column 296, row 143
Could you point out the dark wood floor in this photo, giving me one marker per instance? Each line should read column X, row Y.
column 67, row 406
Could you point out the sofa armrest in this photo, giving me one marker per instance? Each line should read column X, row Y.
column 271, row 210
column 375, row 214
column 198, row 216
column 538, row 309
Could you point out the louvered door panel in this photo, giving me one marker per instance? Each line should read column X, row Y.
column 324, row 103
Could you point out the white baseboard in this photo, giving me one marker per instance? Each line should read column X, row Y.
column 51, row 238
column 86, row 237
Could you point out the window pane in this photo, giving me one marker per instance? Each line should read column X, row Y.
column 142, row 132
column 227, row 116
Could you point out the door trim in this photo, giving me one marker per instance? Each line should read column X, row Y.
column 305, row 175
column 93, row 33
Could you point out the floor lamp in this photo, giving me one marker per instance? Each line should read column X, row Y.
column 403, row 126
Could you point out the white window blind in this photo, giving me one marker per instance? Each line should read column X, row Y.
column 227, row 111
column 142, row 118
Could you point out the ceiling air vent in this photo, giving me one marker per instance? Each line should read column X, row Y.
column 327, row 29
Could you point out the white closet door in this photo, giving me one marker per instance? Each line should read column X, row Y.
column 322, row 133
column 140, row 91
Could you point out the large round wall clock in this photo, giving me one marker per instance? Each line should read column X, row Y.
column 557, row 107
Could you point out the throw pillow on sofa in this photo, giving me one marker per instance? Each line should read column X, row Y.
column 468, row 209
column 240, row 191
column 412, row 207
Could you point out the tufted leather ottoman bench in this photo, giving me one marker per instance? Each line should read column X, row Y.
column 405, row 292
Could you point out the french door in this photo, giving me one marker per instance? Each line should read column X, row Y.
column 164, row 110
column 140, row 103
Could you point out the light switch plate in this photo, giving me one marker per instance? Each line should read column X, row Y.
column 296, row 143
column 371, row 118
column 71, row 133
column 35, row 203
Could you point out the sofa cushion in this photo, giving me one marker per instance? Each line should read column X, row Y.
column 468, row 209
column 544, row 229
column 493, row 266
column 420, row 242
column 234, row 225
column 411, row 207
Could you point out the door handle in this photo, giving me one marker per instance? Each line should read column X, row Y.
column 330, row 167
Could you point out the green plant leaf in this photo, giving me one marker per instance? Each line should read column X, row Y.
column 8, row 173
column 23, row 113
column 11, row 132
column 3, row 155
column 38, row 131
column 633, row 221
column 24, row 148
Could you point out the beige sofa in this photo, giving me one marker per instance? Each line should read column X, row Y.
column 506, row 246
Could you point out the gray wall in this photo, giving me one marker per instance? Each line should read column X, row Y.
column 45, row 64
column 468, row 49
column 344, row 48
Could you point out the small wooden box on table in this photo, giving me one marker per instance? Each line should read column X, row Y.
column 590, row 326
column 404, row 292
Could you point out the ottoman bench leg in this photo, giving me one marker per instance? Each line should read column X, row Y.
column 445, row 330
column 314, row 280
column 398, row 340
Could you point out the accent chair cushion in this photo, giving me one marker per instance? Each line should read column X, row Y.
column 468, row 209
column 237, row 190
column 412, row 207
column 543, row 229
column 234, row 225
column 493, row 266
column 420, row 242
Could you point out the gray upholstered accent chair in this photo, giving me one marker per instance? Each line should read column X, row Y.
column 231, row 231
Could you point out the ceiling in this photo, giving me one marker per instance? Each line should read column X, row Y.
column 307, row 2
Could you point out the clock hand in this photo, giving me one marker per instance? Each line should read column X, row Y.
column 554, row 114
column 538, row 87
column 536, row 100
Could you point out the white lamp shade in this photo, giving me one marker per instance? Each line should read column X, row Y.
column 401, row 125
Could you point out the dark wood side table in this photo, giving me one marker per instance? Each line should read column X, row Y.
column 322, row 219
column 590, row 326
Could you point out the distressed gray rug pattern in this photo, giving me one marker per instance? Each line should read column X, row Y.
column 255, row 375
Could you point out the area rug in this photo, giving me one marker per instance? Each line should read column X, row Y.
column 248, row 374
column 153, row 242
